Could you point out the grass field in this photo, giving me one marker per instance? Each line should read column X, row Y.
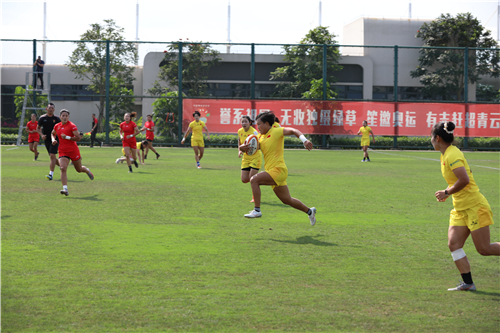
column 166, row 248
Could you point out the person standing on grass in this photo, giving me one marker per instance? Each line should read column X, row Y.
column 33, row 135
column 149, row 127
column 128, row 131
column 365, row 139
column 471, row 214
column 272, row 144
column 68, row 136
column 197, row 142
column 250, row 164
column 45, row 126
column 93, row 131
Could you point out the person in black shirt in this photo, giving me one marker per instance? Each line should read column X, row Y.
column 46, row 124
column 39, row 63
column 93, row 131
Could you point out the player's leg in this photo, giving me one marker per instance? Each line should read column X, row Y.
column 482, row 241
column 196, row 151
column 63, row 165
column 30, row 145
column 262, row 178
column 457, row 235
column 202, row 150
column 283, row 193
column 35, row 147
column 245, row 175
column 82, row 168
column 134, row 156
column 127, row 156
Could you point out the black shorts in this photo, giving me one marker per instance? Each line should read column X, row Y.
column 149, row 140
column 51, row 149
column 248, row 169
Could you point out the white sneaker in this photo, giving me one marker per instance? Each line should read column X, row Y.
column 312, row 217
column 199, row 167
column 118, row 160
column 253, row 214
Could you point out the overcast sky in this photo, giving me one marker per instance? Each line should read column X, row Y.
column 256, row 21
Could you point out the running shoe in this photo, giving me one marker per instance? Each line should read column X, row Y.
column 66, row 193
column 49, row 177
column 118, row 160
column 199, row 166
column 90, row 174
column 369, row 160
column 145, row 157
column 253, row 214
column 462, row 286
column 157, row 156
column 362, row 160
column 130, row 171
column 136, row 165
column 312, row 217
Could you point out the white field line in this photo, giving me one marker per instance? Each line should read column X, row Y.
column 431, row 159
column 12, row 148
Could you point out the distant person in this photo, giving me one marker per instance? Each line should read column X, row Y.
column 365, row 140
column 93, row 131
column 250, row 164
column 33, row 135
column 471, row 213
column 272, row 143
column 197, row 142
column 39, row 63
column 140, row 149
column 45, row 126
column 149, row 127
column 128, row 131
column 68, row 135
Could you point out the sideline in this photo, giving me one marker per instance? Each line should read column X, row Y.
column 431, row 159
column 11, row 148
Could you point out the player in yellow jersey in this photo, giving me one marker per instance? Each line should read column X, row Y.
column 197, row 142
column 272, row 144
column 471, row 214
column 250, row 164
column 140, row 150
column 365, row 139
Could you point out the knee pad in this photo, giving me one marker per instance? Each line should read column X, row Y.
column 458, row 254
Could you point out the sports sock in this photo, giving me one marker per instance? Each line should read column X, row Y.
column 309, row 212
column 130, row 168
column 198, row 163
column 257, row 209
column 51, row 173
column 65, row 187
column 467, row 277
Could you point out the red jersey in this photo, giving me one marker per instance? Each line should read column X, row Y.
column 31, row 126
column 150, row 135
column 128, row 129
column 66, row 146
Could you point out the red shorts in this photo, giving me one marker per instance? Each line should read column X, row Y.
column 132, row 143
column 33, row 138
column 73, row 155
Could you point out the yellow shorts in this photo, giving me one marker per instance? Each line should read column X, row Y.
column 365, row 142
column 474, row 218
column 197, row 142
column 279, row 175
column 255, row 163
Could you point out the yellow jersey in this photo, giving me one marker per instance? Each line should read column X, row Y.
column 365, row 131
column 276, row 125
column 469, row 196
column 197, row 128
column 272, row 145
column 242, row 136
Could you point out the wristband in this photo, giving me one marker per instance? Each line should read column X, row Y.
column 446, row 192
column 302, row 138
column 67, row 137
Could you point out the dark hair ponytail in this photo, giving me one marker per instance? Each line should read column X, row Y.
column 197, row 113
column 444, row 130
column 249, row 120
column 267, row 117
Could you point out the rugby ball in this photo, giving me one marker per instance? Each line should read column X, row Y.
column 253, row 142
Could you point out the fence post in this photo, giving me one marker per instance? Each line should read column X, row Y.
column 180, row 94
column 34, row 75
column 107, row 90
column 252, row 73
column 325, row 97
column 395, row 97
column 466, row 93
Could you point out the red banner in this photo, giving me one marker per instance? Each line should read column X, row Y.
column 345, row 118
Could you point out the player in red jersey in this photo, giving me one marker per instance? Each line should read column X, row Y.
column 33, row 135
column 149, row 127
column 128, row 131
column 68, row 135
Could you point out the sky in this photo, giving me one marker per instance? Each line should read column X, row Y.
column 256, row 21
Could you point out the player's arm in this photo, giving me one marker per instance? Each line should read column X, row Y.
column 293, row 131
column 39, row 130
column 121, row 134
column 53, row 135
column 460, row 184
column 359, row 132
column 138, row 153
column 136, row 131
column 208, row 133
column 186, row 134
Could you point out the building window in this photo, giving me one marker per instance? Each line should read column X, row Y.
column 58, row 92
column 348, row 92
column 8, row 106
column 241, row 90
column 404, row 93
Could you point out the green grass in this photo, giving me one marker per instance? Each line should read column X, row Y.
column 166, row 249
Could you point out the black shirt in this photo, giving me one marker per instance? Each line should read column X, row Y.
column 47, row 123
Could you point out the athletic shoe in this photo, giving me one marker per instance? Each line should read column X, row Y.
column 362, row 160
column 49, row 177
column 66, row 193
column 36, row 156
column 199, row 166
column 130, row 171
column 464, row 287
column 369, row 160
column 136, row 165
column 145, row 157
column 157, row 156
column 90, row 174
column 253, row 214
column 118, row 160
column 312, row 217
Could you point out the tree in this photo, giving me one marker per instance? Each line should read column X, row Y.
column 197, row 58
column 168, row 104
column 306, row 64
column 442, row 70
column 88, row 61
column 41, row 102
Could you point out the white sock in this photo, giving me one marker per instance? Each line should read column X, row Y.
column 65, row 187
column 51, row 173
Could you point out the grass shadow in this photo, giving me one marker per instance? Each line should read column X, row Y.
column 486, row 293
column 306, row 240
column 90, row 198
